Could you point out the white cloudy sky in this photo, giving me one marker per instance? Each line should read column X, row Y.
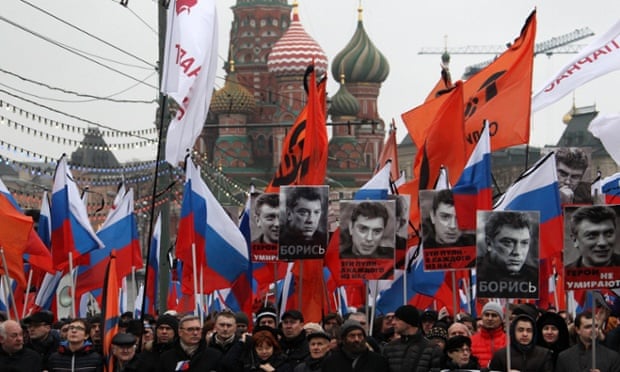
column 398, row 28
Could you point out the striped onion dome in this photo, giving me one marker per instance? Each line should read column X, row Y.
column 295, row 50
column 360, row 60
column 343, row 102
column 233, row 98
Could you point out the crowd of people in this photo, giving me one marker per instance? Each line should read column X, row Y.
column 405, row 340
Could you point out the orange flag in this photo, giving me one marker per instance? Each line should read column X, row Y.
column 499, row 93
column 304, row 151
column 111, row 311
column 304, row 162
column 14, row 231
column 444, row 83
column 390, row 153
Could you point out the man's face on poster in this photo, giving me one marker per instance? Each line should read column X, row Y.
column 305, row 216
column 445, row 225
column 366, row 234
column 595, row 242
column 509, row 248
column 569, row 177
column 268, row 221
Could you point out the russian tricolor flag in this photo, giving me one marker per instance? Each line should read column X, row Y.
column 221, row 249
column 611, row 189
column 71, row 229
column 473, row 191
column 152, row 280
column 537, row 190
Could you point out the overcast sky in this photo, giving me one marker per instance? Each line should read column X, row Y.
column 399, row 29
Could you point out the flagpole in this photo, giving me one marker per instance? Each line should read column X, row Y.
column 374, row 306
column 72, row 285
column 195, row 277
column 454, row 291
column 301, row 285
column 27, row 293
column 7, row 285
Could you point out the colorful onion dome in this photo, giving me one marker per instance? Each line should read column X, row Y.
column 295, row 50
column 343, row 102
column 360, row 60
column 233, row 98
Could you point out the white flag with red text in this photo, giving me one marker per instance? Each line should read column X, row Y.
column 190, row 63
column 598, row 58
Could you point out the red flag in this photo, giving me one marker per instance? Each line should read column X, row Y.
column 389, row 153
column 14, row 232
column 499, row 93
column 304, row 151
column 111, row 311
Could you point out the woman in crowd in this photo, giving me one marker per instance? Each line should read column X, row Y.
column 552, row 333
column 458, row 355
column 260, row 353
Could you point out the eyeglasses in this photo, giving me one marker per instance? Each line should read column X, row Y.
column 76, row 328
column 192, row 329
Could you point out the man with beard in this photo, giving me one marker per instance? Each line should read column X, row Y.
column 412, row 351
column 524, row 354
column 353, row 353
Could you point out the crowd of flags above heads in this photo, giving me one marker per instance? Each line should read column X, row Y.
column 213, row 248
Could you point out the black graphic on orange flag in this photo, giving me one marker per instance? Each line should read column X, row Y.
column 367, row 230
column 499, row 93
column 591, row 247
column 507, row 262
column 446, row 132
column 445, row 246
column 444, row 83
column 390, row 153
column 304, row 150
column 265, row 227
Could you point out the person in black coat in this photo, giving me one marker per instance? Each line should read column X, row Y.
column 552, row 333
column 525, row 355
column 77, row 353
column 353, row 354
column 261, row 352
column 13, row 356
column 458, row 355
column 319, row 343
column 190, row 352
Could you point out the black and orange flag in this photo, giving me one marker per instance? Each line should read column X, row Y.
column 444, row 84
column 390, row 153
column 499, row 93
column 111, row 311
column 304, row 151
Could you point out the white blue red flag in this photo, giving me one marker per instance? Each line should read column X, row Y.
column 611, row 189
column 473, row 191
column 537, row 190
column 71, row 229
column 220, row 248
column 152, row 280
column 190, row 65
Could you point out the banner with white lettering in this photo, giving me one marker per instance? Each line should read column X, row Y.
column 265, row 227
column 591, row 247
column 599, row 57
column 188, row 76
column 303, row 222
column 507, row 265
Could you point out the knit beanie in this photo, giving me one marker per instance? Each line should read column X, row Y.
column 170, row 321
column 349, row 326
column 494, row 307
column 408, row 314
column 438, row 332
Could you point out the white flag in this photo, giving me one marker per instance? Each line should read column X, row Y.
column 607, row 129
column 190, row 63
column 600, row 57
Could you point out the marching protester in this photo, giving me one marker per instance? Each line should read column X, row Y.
column 124, row 353
column 260, row 351
column 225, row 334
column 13, row 356
column 294, row 343
column 552, row 333
column 41, row 338
column 166, row 329
column 319, row 345
column 578, row 357
column 77, row 353
column 458, row 355
column 190, row 351
column 491, row 336
column 411, row 351
column 353, row 354
column 525, row 355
